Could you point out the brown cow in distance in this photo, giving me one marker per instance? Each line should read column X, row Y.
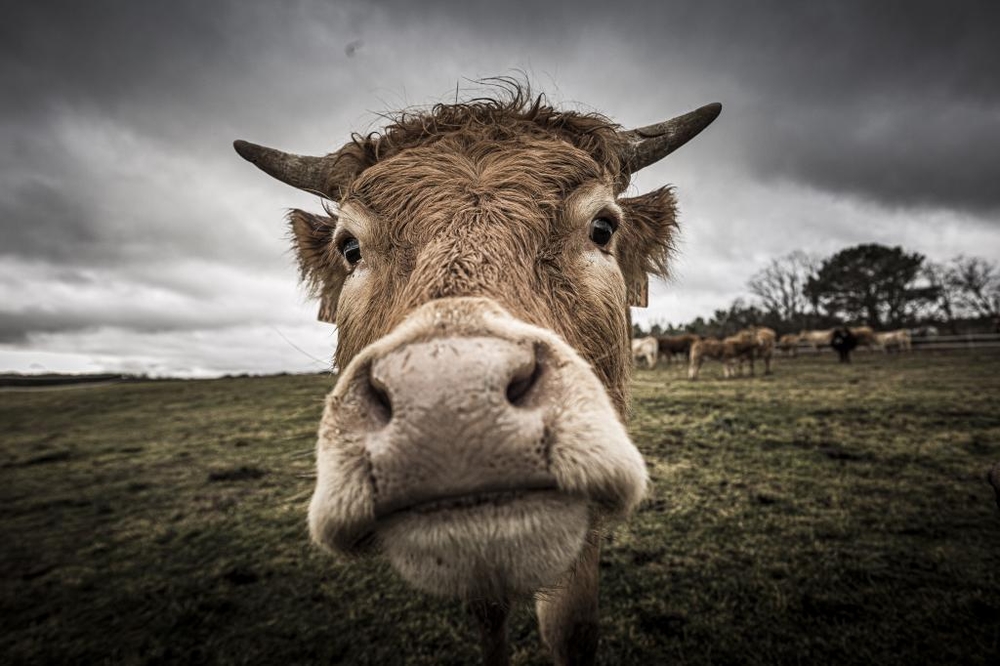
column 765, row 339
column 739, row 348
column 732, row 352
column 709, row 347
column 865, row 336
column 478, row 263
column 789, row 344
column 676, row 345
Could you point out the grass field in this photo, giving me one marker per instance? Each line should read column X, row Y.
column 826, row 514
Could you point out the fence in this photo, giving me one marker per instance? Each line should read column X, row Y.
column 969, row 341
column 933, row 343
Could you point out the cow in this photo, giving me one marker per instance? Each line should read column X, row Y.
column 789, row 344
column 899, row 340
column 765, row 341
column 676, row 345
column 645, row 350
column 865, row 337
column 740, row 348
column 816, row 339
column 708, row 347
column 746, row 346
column 479, row 260
column 843, row 342
column 732, row 352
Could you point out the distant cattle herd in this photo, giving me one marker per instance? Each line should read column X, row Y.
column 760, row 342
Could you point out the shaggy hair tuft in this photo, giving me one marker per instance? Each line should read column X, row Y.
column 514, row 114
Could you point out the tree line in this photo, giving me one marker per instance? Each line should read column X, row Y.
column 869, row 284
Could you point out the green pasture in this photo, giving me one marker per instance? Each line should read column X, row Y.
column 827, row 514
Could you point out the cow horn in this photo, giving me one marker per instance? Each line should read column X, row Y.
column 652, row 143
column 302, row 171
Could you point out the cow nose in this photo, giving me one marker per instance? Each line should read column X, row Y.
column 523, row 371
column 454, row 418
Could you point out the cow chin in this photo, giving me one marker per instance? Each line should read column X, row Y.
column 491, row 550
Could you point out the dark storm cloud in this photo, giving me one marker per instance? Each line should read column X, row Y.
column 159, row 298
column 75, row 207
column 110, row 54
column 36, row 216
column 189, row 71
column 118, row 119
column 104, row 51
column 897, row 102
column 15, row 327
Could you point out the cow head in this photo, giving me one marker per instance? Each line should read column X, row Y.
column 478, row 267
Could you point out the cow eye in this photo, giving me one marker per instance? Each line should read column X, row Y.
column 351, row 249
column 601, row 230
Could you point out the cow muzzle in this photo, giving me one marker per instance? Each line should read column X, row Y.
column 475, row 449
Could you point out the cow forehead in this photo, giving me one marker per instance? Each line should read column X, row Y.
column 448, row 174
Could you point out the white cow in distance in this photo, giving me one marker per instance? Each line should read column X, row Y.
column 645, row 350
column 898, row 340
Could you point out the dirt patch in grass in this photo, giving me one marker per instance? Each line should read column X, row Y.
column 46, row 458
column 241, row 473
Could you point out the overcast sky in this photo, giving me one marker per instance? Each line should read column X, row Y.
column 132, row 237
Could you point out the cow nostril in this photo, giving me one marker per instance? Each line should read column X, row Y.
column 379, row 400
column 522, row 382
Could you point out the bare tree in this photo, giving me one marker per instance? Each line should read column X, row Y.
column 942, row 280
column 977, row 283
column 780, row 286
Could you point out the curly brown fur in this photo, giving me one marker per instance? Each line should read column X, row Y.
column 515, row 114
column 649, row 240
column 319, row 270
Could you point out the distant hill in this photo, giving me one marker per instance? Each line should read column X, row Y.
column 55, row 379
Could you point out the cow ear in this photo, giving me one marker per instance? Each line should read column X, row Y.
column 319, row 268
column 647, row 241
